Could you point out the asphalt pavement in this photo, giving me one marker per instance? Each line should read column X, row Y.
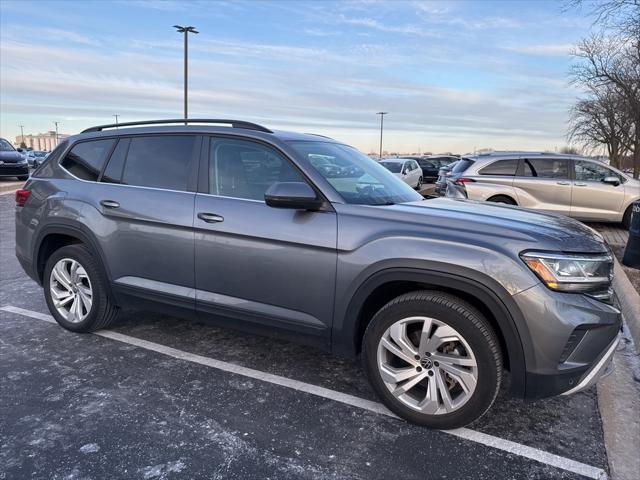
column 158, row 397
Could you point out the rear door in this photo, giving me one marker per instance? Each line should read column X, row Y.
column 592, row 199
column 544, row 184
column 258, row 265
column 146, row 196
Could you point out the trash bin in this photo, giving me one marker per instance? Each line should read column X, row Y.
column 632, row 252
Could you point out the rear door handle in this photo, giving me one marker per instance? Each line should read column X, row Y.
column 109, row 204
column 580, row 184
column 210, row 217
column 563, row 183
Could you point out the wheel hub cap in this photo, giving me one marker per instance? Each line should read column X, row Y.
column 71, row 290
column 427, row 365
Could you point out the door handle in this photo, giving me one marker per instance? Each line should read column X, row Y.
column 109, row 204
column 580, row 184
column 563, row 183
column 210, row 217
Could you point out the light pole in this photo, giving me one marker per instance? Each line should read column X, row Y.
column 382, row 114
column 56, row 132
column 186, row 31
column 116, row 119
column 22, row 133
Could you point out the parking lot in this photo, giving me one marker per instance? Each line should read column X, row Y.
column 160, row 397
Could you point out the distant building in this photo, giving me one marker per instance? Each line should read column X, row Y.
column 42, row 141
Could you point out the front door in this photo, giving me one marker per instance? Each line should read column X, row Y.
column 256, row 264
column 544, row 184
column 592, row 199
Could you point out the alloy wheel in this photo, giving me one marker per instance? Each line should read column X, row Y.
column 71, row 290
column 427, row 365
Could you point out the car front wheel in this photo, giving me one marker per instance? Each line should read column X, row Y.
column 433, row 359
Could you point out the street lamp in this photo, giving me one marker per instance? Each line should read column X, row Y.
column 186, row 31
column 22, row 133
column 382, row 114
column 116, row 119
column 56, row 132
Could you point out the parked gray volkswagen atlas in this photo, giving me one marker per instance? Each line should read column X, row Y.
column 232, row 222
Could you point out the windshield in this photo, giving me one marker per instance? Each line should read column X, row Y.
column 357, row 178
column 393, row 167
column 5, row 146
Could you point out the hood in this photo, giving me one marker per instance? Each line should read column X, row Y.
column 509, row 223
column 11, row 157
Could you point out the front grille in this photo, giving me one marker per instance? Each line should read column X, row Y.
column 9, row 171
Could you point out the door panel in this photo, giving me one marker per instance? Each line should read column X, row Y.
column 268, row 266
column 544, row 184
column 591, row 198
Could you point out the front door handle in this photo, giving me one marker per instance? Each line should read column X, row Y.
column 580, row 184
column 109, row 204
column 563, row 183
column 210, row 217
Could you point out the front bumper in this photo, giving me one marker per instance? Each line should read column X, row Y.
column 572, row 338
column 14, row 169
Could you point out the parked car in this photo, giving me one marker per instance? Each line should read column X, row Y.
column 432, row 164
column 12, row 162
column 443, row 173
column 406, row 170
column 572, row 185
column 35, row 158
column 237, row 226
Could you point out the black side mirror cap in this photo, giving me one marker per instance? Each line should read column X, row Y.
column 293, row 195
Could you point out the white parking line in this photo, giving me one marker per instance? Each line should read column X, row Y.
column 464, row 433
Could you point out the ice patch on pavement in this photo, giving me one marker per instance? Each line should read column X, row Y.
column 161, row 470
column 90, row 448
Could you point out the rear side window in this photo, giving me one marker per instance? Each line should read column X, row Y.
column 160, row 162
column 546, row 168
column 113, row 172
column 505, row 168
column 86, row 159
column 461, row 166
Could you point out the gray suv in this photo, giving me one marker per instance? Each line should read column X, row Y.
column 304, row 237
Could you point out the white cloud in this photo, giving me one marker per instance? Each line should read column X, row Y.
column 561, row 50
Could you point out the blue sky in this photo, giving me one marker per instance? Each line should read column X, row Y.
column 454, row 75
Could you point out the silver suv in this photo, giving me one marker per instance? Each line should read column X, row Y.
column 304, row 237
column 576, row 186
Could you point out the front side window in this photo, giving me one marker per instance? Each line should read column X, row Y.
column 592, row 172
column 5, row 146
column 504, row 168
column 86, row 159
column 546, row 168
column 357, row 178
column 246, row 169
column 159, row 161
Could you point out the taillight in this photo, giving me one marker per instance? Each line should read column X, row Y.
column 22, row 196
column 463, row 180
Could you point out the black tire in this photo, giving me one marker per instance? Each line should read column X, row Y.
column 471, row 325
column 23, row 178
column 419, row 185
column 626, row 218
column 502, row 199
column 103, row 312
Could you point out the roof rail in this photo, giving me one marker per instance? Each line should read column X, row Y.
column 233, row 123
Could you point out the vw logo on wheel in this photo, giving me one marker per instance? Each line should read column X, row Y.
column 426, row 362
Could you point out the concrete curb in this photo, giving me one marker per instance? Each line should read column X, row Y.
column 629, row 302
column 10, row 187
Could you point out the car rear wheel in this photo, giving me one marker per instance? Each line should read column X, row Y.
column 502, row 199
column 433, row 359
column 75, row 290
column 626, row 218
column 22, row 178
column 419, row 185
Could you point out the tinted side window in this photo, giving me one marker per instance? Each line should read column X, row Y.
column 501, row 168
column 113, row 172
column 546, row 168
column 160, row 162
column 461, row 165
column 85, row 160
column 592, row 172
column 245, row 169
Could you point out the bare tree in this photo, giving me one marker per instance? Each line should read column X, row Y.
column 620, row 15
column 600, row 120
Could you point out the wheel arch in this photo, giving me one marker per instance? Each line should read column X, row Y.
column 493, row 302
column 53, row 237
column 504, row 195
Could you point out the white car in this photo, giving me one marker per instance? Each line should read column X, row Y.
column 406, row 170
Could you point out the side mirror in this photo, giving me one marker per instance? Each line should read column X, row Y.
column 615, row 181
column 20, row 150
column 294, row 195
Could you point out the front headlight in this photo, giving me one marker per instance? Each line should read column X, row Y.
column 571, row 272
